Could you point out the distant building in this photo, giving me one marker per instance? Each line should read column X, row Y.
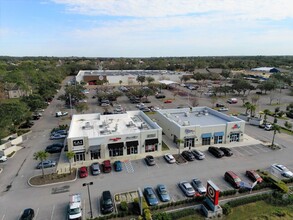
column 13, row 91
column 266, row 69
column 199, row 126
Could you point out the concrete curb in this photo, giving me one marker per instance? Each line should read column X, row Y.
column 50, row 184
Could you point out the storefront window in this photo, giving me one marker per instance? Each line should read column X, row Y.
column 132, row 150
column 206, row 141
column 151, row 148
column 80, row 156
column 189, row 142
column 96, row 154
column 234, row 137
column 218, row 139
column 114, row 152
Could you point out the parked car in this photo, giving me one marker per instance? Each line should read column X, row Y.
column 107, row 204
column 57, row 136
column 163, row 193
column 216, row 152
column 227, row 151
column 53, row 149
column 27, row 214
column 168, row 101
column 150, row 160
column 186, row 188
column 188, row 155
column 233, row 179
column 3, row 158
column 160, row 96
column 95, row 169
column 60, row 114
column 220, row 105
column 27, row 124
column 253, row 175
column 169, row 158
column 284, row 171
column 118, row 166
column 268, row 127
column 63, row 132
column 232, row 101
column 150, row 196
column 107, row 166
column 46, row 164
column 198, row 154
column 198, row 186
column 140, row 105
column 223, row 109
column 264, row 124
column 83, row 172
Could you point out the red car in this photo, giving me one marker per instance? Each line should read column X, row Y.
column 251, row 174
column 83, row 172
column 107, row 166
column 168, row 101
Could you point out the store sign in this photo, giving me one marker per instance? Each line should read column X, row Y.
column 236, row 126
column 213, row 192
column 115, row 139
column 189, row 131
column 132, row 137
column 77, row 142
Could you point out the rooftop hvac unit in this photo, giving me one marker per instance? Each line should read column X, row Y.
column 87, row 126
column 186, row 114
column 185, row 123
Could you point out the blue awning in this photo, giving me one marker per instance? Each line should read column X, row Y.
column 206, row 135
column 217, row 134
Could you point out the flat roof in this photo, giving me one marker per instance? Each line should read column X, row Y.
column 197, row 116
column 97, row 125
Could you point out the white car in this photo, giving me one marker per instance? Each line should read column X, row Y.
column 268, row 127
column 223, row 109
column 3, row 158
column 284, row 171
column 169, row 158
column 140, row 105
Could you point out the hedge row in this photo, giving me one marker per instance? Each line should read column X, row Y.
column 249, row 199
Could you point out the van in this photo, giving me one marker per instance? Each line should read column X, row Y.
column 74, row 208
column 233, row 179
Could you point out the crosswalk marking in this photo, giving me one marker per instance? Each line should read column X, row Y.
column 128, row 166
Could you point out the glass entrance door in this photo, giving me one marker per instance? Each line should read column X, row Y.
column 80, row 156
column 234, row 137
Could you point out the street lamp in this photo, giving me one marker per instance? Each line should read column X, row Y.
column 88, row 190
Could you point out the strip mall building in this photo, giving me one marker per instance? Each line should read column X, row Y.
column 199, row 126
column 96, row 136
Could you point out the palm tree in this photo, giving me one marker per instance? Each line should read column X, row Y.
column 247, row 105
column 266, row 112
column 70, row 155
column 252, row 110
column 41, row 155
column 120, row 82
column 276, row 128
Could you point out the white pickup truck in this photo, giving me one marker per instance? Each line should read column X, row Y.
column 60, row 114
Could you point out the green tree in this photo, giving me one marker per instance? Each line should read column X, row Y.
column 247, row 105
column 276, row 128
column 266, row 112
column 150, row 79
column 288, row 125
column 140, row 79
column 252, row 110
column 120, row 82
column 41, row 156
column 70, row 155
column 80, row 107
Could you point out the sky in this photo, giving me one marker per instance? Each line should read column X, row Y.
column 146, row 28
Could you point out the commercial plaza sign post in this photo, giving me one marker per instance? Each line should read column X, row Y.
column 213, row 193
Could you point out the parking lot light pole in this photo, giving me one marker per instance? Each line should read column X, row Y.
column 88, row 190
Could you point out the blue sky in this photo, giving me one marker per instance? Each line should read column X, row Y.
column 145, row 28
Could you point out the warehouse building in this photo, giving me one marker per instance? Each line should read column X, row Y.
column 96, row 136
column 191, row 127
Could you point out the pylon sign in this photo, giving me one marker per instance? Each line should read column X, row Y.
column 213, row 192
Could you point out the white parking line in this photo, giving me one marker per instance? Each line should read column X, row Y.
column 238, row 152
column 244, row 149
column 3, row 217
column 52, row 215
column 37, row 212
column 252, row 148
column 262, row 148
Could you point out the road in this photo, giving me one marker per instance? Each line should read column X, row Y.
column 18, row 169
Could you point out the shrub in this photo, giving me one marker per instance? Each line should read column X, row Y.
column 243, row 190
column 246, row 200
column 228, row 192
column 226, row 209
column 182, row 213
column 162, row 216
column 124, row 206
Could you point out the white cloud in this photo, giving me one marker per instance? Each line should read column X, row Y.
column 247, row 9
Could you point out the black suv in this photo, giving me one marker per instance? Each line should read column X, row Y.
column 216, row 152
column 188, row 155
column 227, row 151
column 54, row 148
column 107, row 202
